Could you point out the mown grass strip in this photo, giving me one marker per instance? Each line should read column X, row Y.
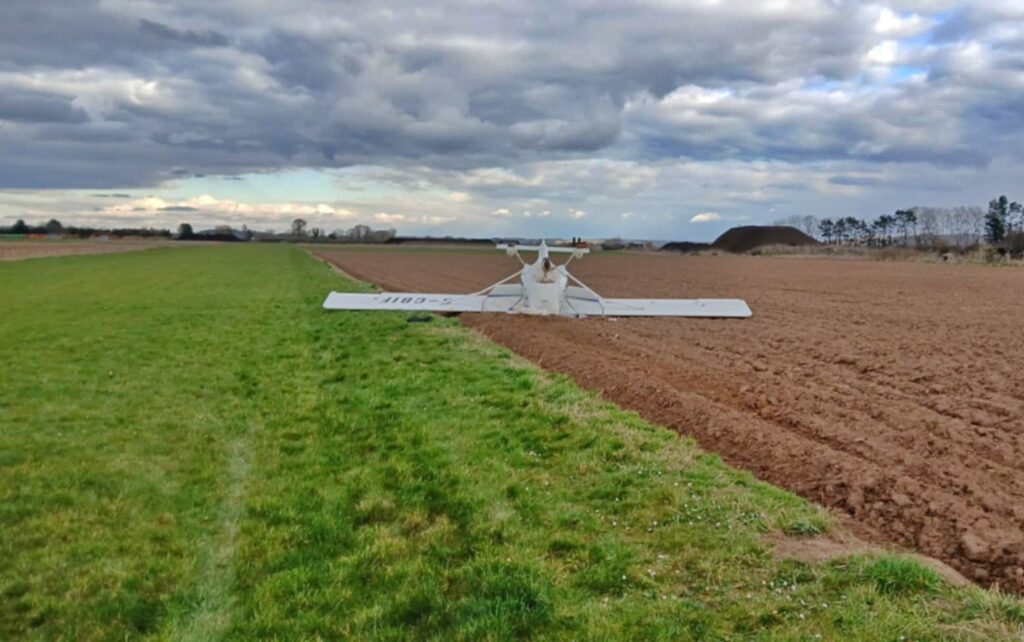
column 191, row 448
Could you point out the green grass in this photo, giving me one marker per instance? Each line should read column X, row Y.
column 191, row 449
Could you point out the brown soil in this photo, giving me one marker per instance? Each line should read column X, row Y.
column 751, row 237
column 17, row 250
column 891, row 392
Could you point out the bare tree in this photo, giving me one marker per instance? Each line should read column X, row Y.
column 809, row 224
column 928, row 225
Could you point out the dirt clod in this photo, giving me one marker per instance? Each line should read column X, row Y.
column 975, row 548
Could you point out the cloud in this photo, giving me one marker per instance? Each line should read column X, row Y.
column 227, row 209
column 462, row 111
column 394, row 219
column 206, row 38
column 224, row 90
column 893, row 24
column 706, row 217
column 501, row 211
column 37, row 107
column 384, row 217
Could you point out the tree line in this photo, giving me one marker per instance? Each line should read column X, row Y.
column 1001, row 225
column 300, row 230
column 54, row 227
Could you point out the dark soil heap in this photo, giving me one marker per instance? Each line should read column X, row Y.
column 750, row 237
column 684, row 246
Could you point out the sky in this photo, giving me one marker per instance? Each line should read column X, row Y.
column 597, row 118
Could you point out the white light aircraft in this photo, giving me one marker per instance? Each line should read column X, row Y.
column 544, row 289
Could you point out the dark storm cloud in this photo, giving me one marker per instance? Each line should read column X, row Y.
column 207, row 38
column 854, row 180
column 39, row 108
column 136, row 91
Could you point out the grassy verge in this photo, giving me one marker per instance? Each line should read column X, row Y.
column 190, row 448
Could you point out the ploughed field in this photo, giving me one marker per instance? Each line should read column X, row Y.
column 892, row 392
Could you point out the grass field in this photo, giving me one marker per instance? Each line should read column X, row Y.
column 191, row 449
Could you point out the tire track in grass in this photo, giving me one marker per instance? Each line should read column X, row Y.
column 216, row 604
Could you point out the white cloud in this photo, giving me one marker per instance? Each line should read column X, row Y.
column 435, row 220
column 394, row 219
column 884, row 53
column 501, row 211
column 225, row 208
column 892, row 24
column 384, row 217
column 706, row 217
column 627, row 214
column 576, row 214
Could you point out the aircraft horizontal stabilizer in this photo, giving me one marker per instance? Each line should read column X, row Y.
column 537, row 248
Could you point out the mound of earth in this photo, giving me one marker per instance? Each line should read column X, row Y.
column 751, row 237
column 684, row 246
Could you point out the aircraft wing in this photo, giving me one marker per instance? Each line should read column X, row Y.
column 581, row 303
column 715, row 308
column 554, row 249
column 424, row 302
